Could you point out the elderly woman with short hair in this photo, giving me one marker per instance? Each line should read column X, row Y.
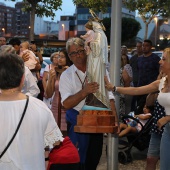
column 38, row 128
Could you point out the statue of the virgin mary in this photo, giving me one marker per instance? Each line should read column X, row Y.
column 96, row 66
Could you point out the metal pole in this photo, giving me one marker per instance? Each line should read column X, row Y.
column 156, row 21
column 115, row 53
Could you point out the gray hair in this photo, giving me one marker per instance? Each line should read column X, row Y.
column 52, row 55
column 7, row 49
column 74, row 41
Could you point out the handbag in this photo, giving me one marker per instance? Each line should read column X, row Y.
column 19, row 124
column 64, row 156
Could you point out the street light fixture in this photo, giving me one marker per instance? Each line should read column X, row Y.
column 3, row 30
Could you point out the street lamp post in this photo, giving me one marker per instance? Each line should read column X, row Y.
column 156, row 21
column 63, row 32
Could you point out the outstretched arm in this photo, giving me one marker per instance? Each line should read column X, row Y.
column 133, row 90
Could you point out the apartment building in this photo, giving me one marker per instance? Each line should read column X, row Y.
column 7, row 23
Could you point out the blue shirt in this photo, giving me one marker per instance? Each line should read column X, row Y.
column 148, row 68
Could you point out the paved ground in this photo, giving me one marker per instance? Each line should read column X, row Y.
column 139, row 160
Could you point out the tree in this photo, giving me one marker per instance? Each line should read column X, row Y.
column 130, row 28
column 95, row 5
column 148, row 10
column 41, row 8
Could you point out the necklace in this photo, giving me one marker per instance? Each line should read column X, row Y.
column 80, row 79
column 9, row 91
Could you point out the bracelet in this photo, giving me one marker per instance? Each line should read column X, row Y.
column 114, row 89
column 47, row 159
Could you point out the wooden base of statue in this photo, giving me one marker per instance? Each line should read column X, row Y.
column 95, row 121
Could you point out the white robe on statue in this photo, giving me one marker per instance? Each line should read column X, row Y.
column 96, row 63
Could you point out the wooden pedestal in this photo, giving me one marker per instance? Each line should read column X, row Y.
column 94, row 121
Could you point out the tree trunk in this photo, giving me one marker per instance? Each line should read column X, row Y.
column 146, row 31
column 32, row 20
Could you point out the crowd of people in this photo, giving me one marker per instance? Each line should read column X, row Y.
column 65, row 89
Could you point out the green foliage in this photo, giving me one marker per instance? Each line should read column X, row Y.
column 130, row 28
column 95, row 5
column 149, row 9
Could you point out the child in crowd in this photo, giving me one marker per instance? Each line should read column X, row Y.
column 89, row 36
column 24, row 48
column 133, row 126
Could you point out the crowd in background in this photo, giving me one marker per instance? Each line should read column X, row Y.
column 140, row 69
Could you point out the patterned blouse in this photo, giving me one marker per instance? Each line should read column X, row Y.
column 158, row 113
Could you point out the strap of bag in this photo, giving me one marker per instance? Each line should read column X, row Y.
column 9, row 143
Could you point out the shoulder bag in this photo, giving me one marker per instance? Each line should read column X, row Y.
column 9, row 143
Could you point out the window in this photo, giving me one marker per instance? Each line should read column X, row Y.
column 80, row 28
column 106, row 15
column 83, row 16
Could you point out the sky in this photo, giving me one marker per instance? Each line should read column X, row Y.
column 67, row 7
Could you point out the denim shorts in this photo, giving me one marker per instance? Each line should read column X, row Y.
column 165, row 148
column 154, row 145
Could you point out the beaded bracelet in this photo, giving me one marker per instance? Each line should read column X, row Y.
column 114, row 89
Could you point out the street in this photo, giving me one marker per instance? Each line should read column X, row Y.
column 139, row 160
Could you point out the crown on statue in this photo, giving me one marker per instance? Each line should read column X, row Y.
column 96, row 18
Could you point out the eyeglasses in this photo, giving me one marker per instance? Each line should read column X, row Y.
column 75, row 54
column 61, row 56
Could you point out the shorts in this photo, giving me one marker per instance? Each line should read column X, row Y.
column 154, row 145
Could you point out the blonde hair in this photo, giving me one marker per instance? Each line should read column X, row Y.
column 167, row 50
column 7, row 49
column 25, row 44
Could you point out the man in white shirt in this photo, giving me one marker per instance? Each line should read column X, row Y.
column 74, row 89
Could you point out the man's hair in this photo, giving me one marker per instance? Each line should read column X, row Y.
column 11, row 70
column 32, row 42
column 74, row 41
column 148, row 41
column 123, row 46
column 14, row 41
column 140, row 42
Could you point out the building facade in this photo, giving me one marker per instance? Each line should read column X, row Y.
column 83, row 15
column 7, row 21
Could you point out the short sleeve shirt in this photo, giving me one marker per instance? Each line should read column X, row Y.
column 148, row 68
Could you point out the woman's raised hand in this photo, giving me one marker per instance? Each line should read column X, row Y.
column 52, row 74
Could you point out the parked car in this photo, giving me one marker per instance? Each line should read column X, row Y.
column 159, row 53
column 46, row 61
